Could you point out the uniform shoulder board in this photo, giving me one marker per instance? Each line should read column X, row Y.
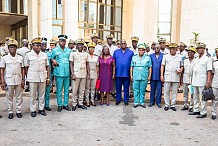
column 135, row 54
column 27, row 52
column 208, row 56
column 19, row 54
column 95, row 55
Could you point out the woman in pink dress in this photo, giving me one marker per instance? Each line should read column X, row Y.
column 106, row 74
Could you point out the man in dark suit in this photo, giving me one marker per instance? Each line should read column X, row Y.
column 156, row 84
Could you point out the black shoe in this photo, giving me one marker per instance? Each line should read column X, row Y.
column 82, row 107
column 159, row 106
column 70, row 91
column 66, row 108
column 27, row 90
column 202, row 116
column 33, row 114
column 59, row 108
column 151, row 104
column 143, row 105
column 73, row 108
column 11, row 116
column 166, row 108
column 47, row 108
column 184, row 108
column 117, row 102
column 0, row 116
column 213, row 117
column 42, row 112
column 190, row 110
column 135, row 105
column 19, row 115
column 194, row 113
column 55, row 92
column 173, row 108
column 126, row 103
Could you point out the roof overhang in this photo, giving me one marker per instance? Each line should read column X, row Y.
column 10, row 19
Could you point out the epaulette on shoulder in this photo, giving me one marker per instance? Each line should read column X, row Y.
column 95, row 55
column 19, row 54
column 208, row 56
column 27, row 52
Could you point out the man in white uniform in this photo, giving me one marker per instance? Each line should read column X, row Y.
column 202, row 78
column 172, row 66
column 187, row 78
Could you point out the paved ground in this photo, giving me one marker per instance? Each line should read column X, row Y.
column 113, row 125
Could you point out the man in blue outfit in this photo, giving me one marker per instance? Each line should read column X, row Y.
column 156, row 84
column 123, row 57
column 60, row 60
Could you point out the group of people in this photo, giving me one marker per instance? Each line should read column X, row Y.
column 92, row 68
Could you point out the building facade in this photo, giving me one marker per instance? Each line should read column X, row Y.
column 175, row 20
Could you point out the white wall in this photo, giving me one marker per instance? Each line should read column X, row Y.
column 200, row 16
column 145, row 18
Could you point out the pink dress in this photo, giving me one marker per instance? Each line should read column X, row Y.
column 105, row 74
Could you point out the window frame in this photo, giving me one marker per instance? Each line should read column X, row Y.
column 170, row 22
column 98, row 27
column 56, row 17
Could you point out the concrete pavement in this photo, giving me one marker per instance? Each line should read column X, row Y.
column 110, row 126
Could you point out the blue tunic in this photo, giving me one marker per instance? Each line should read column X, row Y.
column 123, row 62
column 156, row 66
column 141, row 67
column 62, row 58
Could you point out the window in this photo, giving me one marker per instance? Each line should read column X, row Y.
column 165, row 19
column 57, row 17
column 13, row 6
column 101, row 16
column 23, row 8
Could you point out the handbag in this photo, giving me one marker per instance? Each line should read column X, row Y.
column 207, row 94
column 97, row 96
column 97, row 85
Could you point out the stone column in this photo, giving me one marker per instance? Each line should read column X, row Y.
column 46, row 19
column 32, row 19
column 70, row 20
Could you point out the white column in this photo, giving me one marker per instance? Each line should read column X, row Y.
column 32, row 19
column 46, row 19
column 70, row 21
